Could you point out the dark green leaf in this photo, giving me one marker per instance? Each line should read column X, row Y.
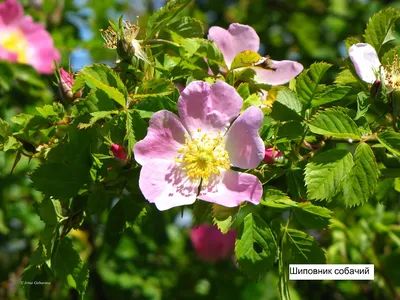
column 391, row 140
column 312, row 216
column 224, row 217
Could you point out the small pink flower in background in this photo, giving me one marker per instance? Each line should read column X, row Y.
column 271, row 155
column 179, row 155
column 23, row 41
column 119, row 152
column 239, row 38
column 211, row 244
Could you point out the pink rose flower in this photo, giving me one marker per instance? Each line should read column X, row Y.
column 239, row 38
column 23, row 41
column 190, row 157
column 270, row 155
column 211, row 244
column 119, row 152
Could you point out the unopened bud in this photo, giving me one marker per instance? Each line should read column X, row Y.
column 66, row 83
column 271, row 155
column 119, row 152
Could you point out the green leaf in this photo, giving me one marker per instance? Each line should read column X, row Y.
column 312, row 216
column 307, row 83
column 163, row 16
column 256, row 248
column 124, row 214
column 32, row 274
column 245, row 59
column 380, row 26
column 154, row 88
column 5, row 132
column 202, row 48
column 201, row 210
column 287, row 106
column 39, row 256
column 96, row 116
column 391, row 141
column 68, row 266
column 244, row 90
column 325, row 173
column 277, row 199
column 335, row 123
column 361, row 182
column 301, row 248
column 58, row 180
column 96, row 100
column 224, row 217
column 103, row 78
column 363, row 104
column 98, row 201
column 186, row 27
column 330, row 94
column 252, row 100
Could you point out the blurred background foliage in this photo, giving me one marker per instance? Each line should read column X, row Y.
column 156, row 259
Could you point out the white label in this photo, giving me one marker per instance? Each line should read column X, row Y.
column 331, row 272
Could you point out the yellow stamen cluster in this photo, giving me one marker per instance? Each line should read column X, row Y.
column 15, row 42
column 203, row 157
column 392, row 73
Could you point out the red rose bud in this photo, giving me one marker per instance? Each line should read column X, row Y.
column 119, row 152
column 270, row 156
column 211, row 244
column 66, row 82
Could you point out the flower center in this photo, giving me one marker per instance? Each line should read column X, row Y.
column 203, row 157
column 392, row 73
column 15, row 42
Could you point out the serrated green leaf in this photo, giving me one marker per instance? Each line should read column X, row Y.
column 32, row 274
column 244, row 90
column 380, row 26
column 391, row 141
column 335, row 123
column 201, row 210
column 125, row 213
column 102, row 77
column 361, row 182
column 287, row 106
column 245, row 59
column 163, row 16
column 68, row 266
column 312, row 216
column 58, row 180
column 154, row 88
column 307, row 83
column 96, row 100
column 256, row 247
column 363, row 104
column 224, row 217
column 330, row 94
column 186, row 27
column 345, row 77
column 325, row 173
column 39, row 256
column 277, row 199
column 203, row 49
column 252, row 100
column 96, row 116
column 301, row 248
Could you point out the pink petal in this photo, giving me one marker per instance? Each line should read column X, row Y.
column 163, row 183
column 284, row 71
column 8, row 55
column 236, row 39
column 165, row 136
column 244, row 145
column 11, row 11
column 210, row 108
column 232, row 188
column 366, row 61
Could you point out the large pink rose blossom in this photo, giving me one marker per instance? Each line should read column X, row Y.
column 190, row 157
column 23, row 41
column 211, row 244
column 239, row 38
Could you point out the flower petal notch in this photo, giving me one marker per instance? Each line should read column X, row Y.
column 366, row 61
column 24, row 41
column 240, row 41
column 182, row 156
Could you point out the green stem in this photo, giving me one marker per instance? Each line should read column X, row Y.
column 158, row 41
